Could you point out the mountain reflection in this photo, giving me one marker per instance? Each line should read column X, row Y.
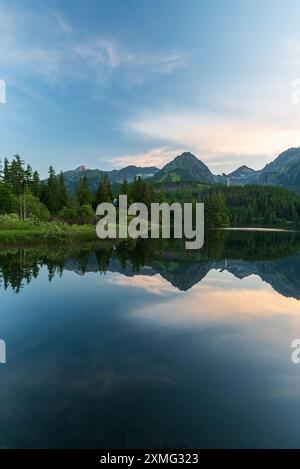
column 273, row 256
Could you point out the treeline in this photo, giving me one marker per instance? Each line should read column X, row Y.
column 261, row 205
column 22, row 192
column 243, row 205
column 216, row 210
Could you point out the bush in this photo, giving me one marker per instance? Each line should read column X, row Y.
column 54, row 230
column 82, row 215
column 35, row 208
column 12, row 222
column 86, row 214
column 68, row 214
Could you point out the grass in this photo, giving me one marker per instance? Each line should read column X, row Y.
column 47, row 233
column 15, row 232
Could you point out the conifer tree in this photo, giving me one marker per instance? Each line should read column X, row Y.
column 36, row 184
column 62, row 192
column 52, row 192
column 83, row 192
column 137, row 190
column 104, row 192
column 124, row 188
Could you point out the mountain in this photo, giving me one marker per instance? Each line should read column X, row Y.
column 130, row 172
column 184, row 167
column 93, row 176
column 242, row 172
column 283, row 171
column 241, row 176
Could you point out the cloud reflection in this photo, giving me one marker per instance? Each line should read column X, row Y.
column 219, row 298
column 155, row 284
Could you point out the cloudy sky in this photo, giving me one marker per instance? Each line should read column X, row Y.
column 107, row 83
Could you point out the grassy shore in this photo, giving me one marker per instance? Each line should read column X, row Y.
column 27, row 233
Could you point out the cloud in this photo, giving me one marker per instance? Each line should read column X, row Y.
column 155, row 157
column 102, row 52
column 48, row 46
column 219, row 140
column 155, row 285
column 63, row 24
column 295, row 95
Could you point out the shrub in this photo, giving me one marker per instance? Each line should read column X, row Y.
column 54, row 230
column 35, row 208
column 12, row 222
column 86, row 214
column 68, row 214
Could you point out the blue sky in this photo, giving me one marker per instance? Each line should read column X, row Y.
column 107, row 83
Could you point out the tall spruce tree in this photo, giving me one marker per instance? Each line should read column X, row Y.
column 62, row 192
column 124, row 188
column 52, row 194
column 6, row 171
column 17, row 175
column 137, row 190
column 104, row 192
column 216, row 211
column 83, row 192
column 36, row 184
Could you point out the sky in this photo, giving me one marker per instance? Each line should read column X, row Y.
column 108, row 83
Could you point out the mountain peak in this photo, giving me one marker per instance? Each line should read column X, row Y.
column 186, row 155
column 242, row 171
column 185, row 167
column 246, row 167
column 81, row 168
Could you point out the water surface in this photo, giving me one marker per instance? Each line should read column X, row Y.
column 148, row 345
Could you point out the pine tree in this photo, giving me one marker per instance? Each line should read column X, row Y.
column 28, row 175
column 83, row 192
column 17, row 175
column 62, row 192
column 52, row 192
column 124, row 188
column 36, row 184
column 137, row 190
column 6, row 171
column 148, row 194
column 104, row 192
column 216, row 211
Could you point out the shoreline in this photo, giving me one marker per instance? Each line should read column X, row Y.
column 79, row 234
column 258, row 229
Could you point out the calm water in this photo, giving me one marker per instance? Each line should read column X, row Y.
column 148, row 345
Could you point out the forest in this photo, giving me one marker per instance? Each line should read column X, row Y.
column 27, row 202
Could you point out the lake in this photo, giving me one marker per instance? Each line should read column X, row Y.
column 145, row 344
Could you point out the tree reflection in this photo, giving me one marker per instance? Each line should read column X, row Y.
column 241, row 253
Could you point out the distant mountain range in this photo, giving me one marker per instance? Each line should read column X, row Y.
column 284, row 171
column 93, row 176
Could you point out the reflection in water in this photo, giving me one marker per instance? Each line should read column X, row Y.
column 274, row 257
column 145, row 344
